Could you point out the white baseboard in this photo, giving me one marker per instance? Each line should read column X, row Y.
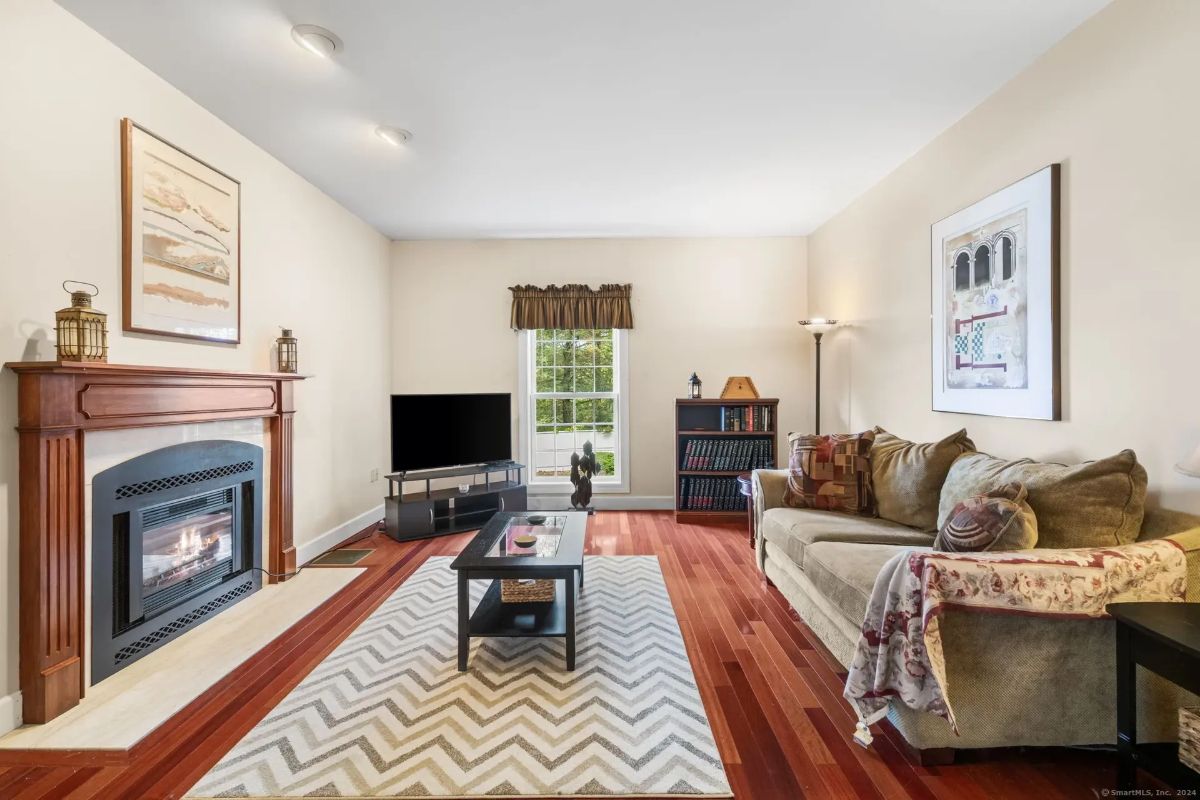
column 603, row 502
column 10, row 712
column 332, row 538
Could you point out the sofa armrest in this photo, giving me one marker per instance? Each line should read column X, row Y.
column 1190, row 541
column 767, row 491
column 1006, row 669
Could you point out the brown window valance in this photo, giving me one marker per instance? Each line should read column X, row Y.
column 572, row 306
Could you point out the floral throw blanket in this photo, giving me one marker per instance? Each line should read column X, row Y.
column 899, row 655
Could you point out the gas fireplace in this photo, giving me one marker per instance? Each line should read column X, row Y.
column 176, row 535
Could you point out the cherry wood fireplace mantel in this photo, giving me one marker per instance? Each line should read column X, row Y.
column 58, row 402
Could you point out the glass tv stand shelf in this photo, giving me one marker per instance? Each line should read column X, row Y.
column 435, row 512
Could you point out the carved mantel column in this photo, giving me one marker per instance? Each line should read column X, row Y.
column 281, row 551
column 58, row 402
column 51, row 547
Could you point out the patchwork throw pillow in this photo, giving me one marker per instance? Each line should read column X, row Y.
column 998, row 520
column 907, row 477
column 831, row 472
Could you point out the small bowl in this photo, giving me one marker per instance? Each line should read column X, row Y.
column 525, row 540
column 535, row 519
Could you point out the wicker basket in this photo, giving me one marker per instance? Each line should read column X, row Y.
column 1189, row 737
column 533, row 591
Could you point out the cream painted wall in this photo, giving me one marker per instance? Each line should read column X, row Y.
column 720, row 307
column 307, row 263
column 1112, row 103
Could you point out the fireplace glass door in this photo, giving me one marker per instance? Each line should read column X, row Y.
column 184, row 545
column 183, row 549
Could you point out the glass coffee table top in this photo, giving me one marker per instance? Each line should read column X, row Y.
column 529, row 535
column 557, row 544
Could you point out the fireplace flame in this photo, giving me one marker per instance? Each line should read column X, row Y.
column 189, row 545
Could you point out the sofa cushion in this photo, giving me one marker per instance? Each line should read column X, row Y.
column 999, row 520
column 845, row 572
column 831, row 472
column 1094, row 504
column 792, row 529
column 908, row 476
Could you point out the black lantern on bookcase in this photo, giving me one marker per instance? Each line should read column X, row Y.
column 693, row 387
column 288, row 357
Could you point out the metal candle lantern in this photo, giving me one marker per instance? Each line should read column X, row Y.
column 693, row 387
column 288, row 360
column 82, row 331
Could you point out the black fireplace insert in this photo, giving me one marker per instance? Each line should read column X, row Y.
column 176, row 535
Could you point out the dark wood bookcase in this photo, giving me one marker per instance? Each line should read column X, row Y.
column 699, row 422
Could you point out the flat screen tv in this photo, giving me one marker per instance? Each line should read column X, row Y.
column 449, row 430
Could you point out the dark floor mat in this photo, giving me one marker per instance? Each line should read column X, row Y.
column 341, row 558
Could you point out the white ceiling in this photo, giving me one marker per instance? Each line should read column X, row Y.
column 591, row 117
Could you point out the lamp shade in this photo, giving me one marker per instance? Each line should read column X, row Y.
column 1190, row 465
column 818, row 325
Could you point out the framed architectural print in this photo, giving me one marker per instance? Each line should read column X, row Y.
column 181, row 241
column 994, row 270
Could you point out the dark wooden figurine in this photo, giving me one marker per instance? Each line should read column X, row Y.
column 583, row 468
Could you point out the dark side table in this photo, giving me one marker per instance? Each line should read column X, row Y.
column 1163, row 638
column 746, row 488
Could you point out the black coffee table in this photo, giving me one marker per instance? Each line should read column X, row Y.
column 492, row 555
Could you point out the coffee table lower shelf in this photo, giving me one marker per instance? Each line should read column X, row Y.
column 495, row 618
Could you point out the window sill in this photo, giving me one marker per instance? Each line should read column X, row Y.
column 566, row 487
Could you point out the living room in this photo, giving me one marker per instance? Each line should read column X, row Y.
column 571, row 400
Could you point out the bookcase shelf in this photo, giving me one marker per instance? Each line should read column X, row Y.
column 702, row 432
column 711, row 495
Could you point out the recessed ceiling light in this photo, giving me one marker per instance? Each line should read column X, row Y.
column 396, row 137
column 317, row 40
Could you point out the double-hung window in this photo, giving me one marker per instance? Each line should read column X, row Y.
column 573, row 390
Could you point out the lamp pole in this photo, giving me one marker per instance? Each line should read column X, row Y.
column 817, row 402
column 818, row 327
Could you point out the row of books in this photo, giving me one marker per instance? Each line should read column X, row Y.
column 710, row 494
column 747, row 418
column 727, row 454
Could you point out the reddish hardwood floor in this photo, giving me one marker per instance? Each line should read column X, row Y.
column 772, row 692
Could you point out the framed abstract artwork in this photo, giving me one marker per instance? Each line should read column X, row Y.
column 181, row 241
column 994, row 278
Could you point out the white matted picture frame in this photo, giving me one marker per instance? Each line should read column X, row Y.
column 995, row 295
column 181, row 242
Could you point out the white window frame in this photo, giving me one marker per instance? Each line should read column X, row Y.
column 603, row 484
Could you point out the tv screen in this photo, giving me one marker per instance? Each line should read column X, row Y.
column 446, row 430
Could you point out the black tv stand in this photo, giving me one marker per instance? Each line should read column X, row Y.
column 436, row 512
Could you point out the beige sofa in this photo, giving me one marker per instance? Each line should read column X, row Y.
column 1015, row 680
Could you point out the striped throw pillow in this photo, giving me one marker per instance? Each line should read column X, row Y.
column 998, row 520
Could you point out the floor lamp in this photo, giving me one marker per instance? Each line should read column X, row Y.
column 1190, row 466
column 818, row 327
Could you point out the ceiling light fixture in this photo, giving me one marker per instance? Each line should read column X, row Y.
column 396, row 137
column 317, row 40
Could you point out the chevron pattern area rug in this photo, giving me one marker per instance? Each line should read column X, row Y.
column 388, row 714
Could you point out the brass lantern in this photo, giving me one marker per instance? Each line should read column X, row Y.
column 82, row 330
column 288, row 361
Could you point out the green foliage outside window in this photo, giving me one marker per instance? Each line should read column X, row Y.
column 570, row 362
